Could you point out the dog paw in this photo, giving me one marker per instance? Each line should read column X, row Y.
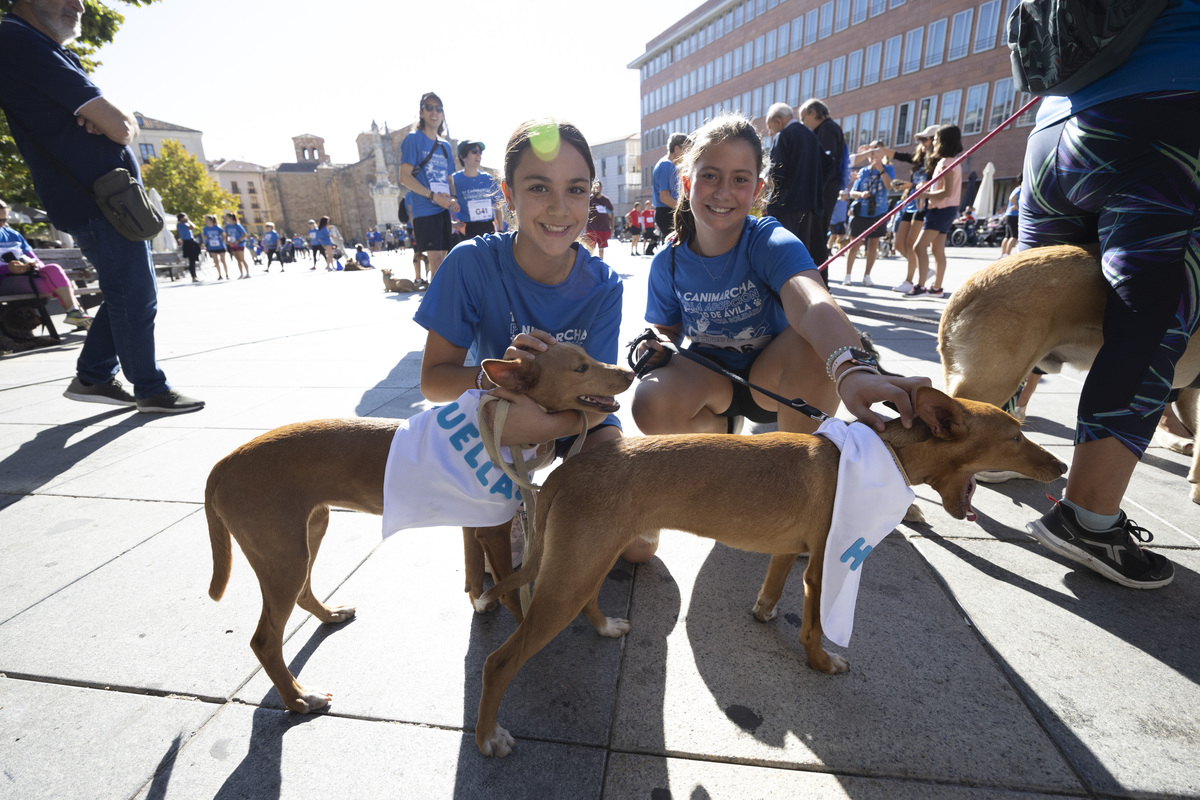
column 614, row 628
column 765, row 614
column 498, row 745
column 310, row 700
column 914, row 516
column 835, row 665
column 340, row 614
column 482, row 607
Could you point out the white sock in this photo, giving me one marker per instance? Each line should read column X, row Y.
column 1090, row 519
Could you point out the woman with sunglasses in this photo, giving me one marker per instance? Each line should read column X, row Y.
column 426, row 169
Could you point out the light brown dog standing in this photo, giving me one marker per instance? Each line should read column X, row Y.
column 273, row 495
column 770, row 493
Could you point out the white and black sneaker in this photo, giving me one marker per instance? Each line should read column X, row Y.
column 112, row 393
column 169, row 402
column 1114, row 553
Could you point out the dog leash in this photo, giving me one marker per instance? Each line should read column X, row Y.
column 642, row 365
column 519, row 470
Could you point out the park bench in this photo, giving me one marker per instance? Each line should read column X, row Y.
column 168, row 263
column 20, row 288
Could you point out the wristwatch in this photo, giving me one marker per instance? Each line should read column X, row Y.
column 851, row 355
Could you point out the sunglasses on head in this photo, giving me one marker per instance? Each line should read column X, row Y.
column 430, row 107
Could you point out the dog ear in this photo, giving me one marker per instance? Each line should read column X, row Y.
column 942, row 413
column 516, row 375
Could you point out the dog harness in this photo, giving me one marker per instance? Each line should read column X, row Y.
column 871, row 499
column 439, row 473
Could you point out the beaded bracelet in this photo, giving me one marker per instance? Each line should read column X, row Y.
column 833, row 356
column 837, row 387
column 479, row 380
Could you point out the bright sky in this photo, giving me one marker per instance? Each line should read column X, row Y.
column 251, row 74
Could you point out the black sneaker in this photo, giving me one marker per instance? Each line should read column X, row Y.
column 112, row 393
column 1113, row 553
column 169, row 402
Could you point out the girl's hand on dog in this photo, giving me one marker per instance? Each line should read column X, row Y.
column 526, row 346
column 528, row 424
column 860, row 390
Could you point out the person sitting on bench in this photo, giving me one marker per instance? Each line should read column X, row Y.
column 18, row 258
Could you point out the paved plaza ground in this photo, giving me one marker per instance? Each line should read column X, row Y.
column 982, row 666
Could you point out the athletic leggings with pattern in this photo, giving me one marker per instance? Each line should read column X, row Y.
column 1126, row 174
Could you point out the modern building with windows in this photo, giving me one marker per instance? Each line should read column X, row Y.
column 618, row 167
column 885, row 68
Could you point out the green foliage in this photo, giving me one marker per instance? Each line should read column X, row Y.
column 185, row 184
column 100, row 24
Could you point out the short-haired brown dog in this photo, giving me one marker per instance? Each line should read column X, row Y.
column 273, row 495
column 769, row 493
column 1041, row 307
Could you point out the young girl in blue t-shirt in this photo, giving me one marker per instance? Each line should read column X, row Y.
column 747, row 295
column 214, row 243
column 512, row 295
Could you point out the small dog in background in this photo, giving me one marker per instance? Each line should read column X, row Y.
column 391, row 284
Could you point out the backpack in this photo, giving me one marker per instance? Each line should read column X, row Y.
column 1060, row 46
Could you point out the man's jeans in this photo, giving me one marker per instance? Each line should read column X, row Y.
column 122, row 331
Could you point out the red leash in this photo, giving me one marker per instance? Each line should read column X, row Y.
column 931, row 181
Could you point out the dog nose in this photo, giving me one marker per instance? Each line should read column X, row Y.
column 1062, row 467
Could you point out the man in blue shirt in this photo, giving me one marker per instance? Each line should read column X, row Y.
column 70, row 135
column 665, row 183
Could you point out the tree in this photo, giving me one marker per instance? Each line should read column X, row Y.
column 185, row 184
column 100, row 24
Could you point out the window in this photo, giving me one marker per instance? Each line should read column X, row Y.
column 768, row 95
column 147, row 151
column 850, row 130
column 807, row 84
column 810, row 26
column 710, row 78
column 951, row 104
column 826, row 20
column 912, row 50
column 926, row 110
column 797, row 32
column 737, row 62
column 748, row 57
column 729, row 22
column 837, row 76
column 904, row 129
column 1030, row 116
column 854, row 70
column 935, row 43
column 749, row 10
column 759, row 49
column 1002, row 103
column 712, row 32
column 728, row 71
column 891, row 58
column 720, row 28
column 878, row 7
column 973, row 112
column 871, row 63
column 793, row 89
column 859, row 14
column 781, row 86
column 985, row 29
column 895, row 3
column 233, row 187
column 746, row 102
column 866, row 127
column 782, row 35
column 822, row 87
column 960, row 34
column 251, row 190
column 884, row 126
column 841, row 19
column 737, row 17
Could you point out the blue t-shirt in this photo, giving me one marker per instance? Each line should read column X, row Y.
column 481, row 298
column 434, row 175
column 736, row 315
column 1164, row 60
column 183, row 231
column 212, row 237
column 270, row 240
column 1014, row 203
column 477, row 197
column 874, row 181
column 919, row 176
column 323, row 238
column 665, row 179
column 235, row 234
column 362, row 257
column 11, row 241
column 43, row 87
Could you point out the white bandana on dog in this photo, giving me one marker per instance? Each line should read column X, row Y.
column 871, row 499
column 438, row 472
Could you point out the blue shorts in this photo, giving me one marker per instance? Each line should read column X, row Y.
column 1123, row 174
column 940, row 219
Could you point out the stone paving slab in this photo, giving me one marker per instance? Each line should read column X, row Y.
column 1113, row 674
column 70, row 743
column 144, row 621
column 247, row 752
column 922, row 699
column 415, row 651
column 631, row 775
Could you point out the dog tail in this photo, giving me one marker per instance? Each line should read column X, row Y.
column 218, row 536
